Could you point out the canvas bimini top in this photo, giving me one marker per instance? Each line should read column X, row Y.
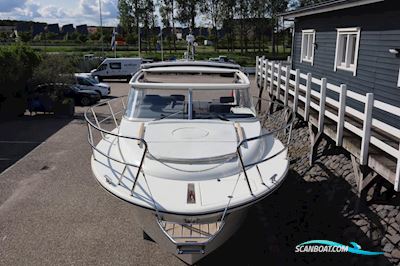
column 190, row 75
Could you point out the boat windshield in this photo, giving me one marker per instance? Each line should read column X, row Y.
column 189, row 104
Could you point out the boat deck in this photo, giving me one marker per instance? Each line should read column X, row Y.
column 185, row 233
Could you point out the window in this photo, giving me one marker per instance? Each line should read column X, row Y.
column 398, row 81
column 82, row 81
column 102, row 67
column 115, row 65
column 174, row 104
column 347, row 43
column 307, row 46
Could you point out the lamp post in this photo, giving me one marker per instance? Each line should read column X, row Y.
column 101, row 29
column 139, row 38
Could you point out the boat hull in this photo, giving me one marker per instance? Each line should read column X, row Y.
column 147, row 219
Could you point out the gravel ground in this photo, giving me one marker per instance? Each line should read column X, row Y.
column 52, row 212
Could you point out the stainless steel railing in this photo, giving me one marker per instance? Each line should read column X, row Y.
column 278, row 125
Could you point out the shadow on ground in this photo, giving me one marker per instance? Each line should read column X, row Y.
column 20, row 136
column 297, row 212
column 313, row 203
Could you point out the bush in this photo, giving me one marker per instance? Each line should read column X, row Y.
column 55, row 68
column 17, row 63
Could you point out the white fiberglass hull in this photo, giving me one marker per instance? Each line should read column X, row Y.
column 216, row 188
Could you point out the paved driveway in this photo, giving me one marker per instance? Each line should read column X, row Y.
column 53, row 212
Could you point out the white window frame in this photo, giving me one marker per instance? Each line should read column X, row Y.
column 398, row 79
column 302, row 55
column 339, row 49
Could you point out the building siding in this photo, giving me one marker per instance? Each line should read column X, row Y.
column 377, row 69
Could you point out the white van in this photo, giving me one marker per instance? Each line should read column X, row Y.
column 118, row 68
column 85, row 81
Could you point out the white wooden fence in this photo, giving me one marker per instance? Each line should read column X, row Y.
column 285, row 82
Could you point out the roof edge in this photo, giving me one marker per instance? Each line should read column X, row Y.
column 326, row 7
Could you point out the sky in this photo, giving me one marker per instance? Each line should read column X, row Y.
column 63, row 12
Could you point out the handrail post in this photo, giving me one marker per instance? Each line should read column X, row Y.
column 262, row 62
column 271, row 86
column 308, row 97
column 112, row 113
column 91, row 141
column 97, row 122
column 369, row 103
column 257, row 70
column 296, row 90
column 263, row 82
column 244, row 170
column 279, row 81
column 123, row 103
column 266, row 75
column 341, row 112
column 321, row 118
column 397, row 177
column 287, row 86
column 140, row 168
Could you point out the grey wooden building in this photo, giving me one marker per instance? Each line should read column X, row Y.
column 352, row 42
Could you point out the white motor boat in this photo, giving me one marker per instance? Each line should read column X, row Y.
column 190, row 151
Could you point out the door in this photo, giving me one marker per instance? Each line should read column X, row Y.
column 102, row 70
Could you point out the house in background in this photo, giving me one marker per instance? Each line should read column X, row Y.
column 53, row 28
column 38, row 28
column 7, row 29
column 82, row 29
column 353, row 42
column 67, row 29
column 92, row 29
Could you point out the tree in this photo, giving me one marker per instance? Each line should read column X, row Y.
column 126, row 20
column 302, row 3
column 148, row 17
column 228, row 15
column 187, row 12
column 243, row 9
column 17, row 64
column 168, row 20
column 82, row 38
column 275, row 7
column 130, row 14
column 25, row 36
column 258, row 13
column 213, row 9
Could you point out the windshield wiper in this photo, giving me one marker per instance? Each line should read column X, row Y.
column 166, row 116
column 219, row 116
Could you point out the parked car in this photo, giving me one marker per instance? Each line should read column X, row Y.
column 44, row 96
column 117, row 68
column 81, row 96
column 222, row 59
column 86, row 82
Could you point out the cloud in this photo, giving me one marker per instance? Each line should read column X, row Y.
column 90, row 10
column 87, row 12
column 8, row 6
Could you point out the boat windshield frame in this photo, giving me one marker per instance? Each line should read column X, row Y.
column 239, row 82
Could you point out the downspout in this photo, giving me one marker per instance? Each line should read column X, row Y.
column 293, row 35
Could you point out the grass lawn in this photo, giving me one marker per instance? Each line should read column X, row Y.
column 202, row 52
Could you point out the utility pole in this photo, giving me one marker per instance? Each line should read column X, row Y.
column 161, row 45
column 138, row 37
column 101, row 29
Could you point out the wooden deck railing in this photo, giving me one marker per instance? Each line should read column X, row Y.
column 284, row 83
